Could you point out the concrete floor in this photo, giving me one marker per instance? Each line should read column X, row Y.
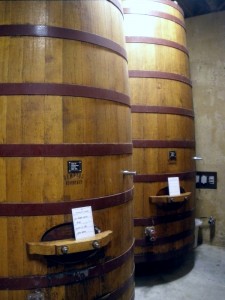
column 201, row 275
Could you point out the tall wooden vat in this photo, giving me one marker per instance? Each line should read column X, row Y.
column 162, row 128
column 65, row 138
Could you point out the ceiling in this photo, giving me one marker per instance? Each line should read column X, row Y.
column 194, row 8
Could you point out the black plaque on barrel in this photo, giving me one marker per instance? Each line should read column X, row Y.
column 74, row 166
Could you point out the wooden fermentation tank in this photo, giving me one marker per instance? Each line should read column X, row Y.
column 162, row 128
column 63, row 89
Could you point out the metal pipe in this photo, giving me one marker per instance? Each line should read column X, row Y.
column 211, row 220
column 197, row 158
column 126, row 172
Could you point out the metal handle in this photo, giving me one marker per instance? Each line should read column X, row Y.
column 197, row 158
column 126, row 172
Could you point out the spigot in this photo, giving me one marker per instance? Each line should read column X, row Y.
column 36, row 295
column 150, row 233
column 211, row 221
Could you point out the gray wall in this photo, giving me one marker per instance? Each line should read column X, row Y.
column 206, row 45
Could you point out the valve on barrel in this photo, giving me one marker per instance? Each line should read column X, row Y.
column 36, row 295
column 150, row 233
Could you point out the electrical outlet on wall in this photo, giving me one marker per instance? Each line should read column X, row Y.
column 206, row 180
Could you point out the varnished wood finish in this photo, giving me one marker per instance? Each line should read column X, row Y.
column 73, row 246
column 64, row 97
column 162, row 121
column 170, row 199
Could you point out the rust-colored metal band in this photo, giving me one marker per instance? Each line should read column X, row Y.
column 163, row 177
column 171, row 3
column 155, row 41
column 63, row 150
column 164, row 240
column 164, row 256
column 159, row 75
column 157, row 220
column 56, row 89
column 61, row 208
column 63, row 33
column 162, row 110
column 163, row 144
column 153, row 13
column 68, row 277
column 117, row 4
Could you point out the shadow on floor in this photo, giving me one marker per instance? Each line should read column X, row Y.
column 164, row 271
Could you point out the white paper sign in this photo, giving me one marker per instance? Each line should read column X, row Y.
column 83, row 222
column 174, row 186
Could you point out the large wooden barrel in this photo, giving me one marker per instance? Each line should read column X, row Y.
column 65, row 138
column 163, row 128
